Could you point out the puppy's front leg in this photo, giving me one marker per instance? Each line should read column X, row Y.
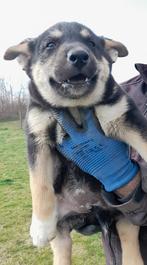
column 43, row 227
column 133, row 130
column 62, row 249
column 128, row 125
column 129, row 234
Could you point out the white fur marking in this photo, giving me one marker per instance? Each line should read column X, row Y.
column 79, row 191
column 113, row 54
column 60, row 133
column 39, row 120
column 108, row 113
column 43, row 231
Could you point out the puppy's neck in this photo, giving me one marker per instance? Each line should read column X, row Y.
column 112, row 94
column 75, row 114
column 36, row 98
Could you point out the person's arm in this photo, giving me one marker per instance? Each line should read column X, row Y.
column 108, row 160
column 130, row 199
column 130, row 187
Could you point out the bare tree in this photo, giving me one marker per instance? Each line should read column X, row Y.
column 12, row 105
column 22, row 102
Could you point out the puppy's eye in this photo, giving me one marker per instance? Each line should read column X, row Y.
column 92, row 43
column 51, row 45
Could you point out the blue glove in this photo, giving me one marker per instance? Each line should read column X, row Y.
column 100, row 156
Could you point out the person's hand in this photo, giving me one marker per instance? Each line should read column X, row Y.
column 100, row 156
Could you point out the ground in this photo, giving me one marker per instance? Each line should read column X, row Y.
column 15, row 210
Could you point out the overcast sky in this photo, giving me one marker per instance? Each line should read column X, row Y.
column 122, row 20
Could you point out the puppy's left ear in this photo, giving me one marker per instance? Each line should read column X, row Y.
column 21, row 51
column 115, row 49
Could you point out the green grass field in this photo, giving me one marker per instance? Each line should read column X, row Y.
column 15, row 210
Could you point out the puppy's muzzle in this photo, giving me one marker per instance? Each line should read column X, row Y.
column 78, row 58
column 75, row 72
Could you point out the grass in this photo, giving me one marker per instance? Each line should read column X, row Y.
column 15, row 210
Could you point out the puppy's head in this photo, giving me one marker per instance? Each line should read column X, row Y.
column 68, row 63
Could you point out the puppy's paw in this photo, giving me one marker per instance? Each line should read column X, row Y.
column 42, row 231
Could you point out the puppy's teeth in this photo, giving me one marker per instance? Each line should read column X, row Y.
column 65, row 85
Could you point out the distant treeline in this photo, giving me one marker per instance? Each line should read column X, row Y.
column 12, row 105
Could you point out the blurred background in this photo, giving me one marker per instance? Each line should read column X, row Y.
column 122, row 20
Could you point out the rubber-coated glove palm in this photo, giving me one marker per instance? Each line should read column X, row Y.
column 100, row 156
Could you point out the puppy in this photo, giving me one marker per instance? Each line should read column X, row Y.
column 70, row 67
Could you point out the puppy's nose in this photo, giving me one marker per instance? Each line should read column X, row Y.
column 78, row 58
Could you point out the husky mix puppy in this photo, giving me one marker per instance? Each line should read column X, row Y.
column 70, row 67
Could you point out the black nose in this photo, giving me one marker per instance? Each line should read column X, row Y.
column 78, row 58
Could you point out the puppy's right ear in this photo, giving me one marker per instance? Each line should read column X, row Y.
column 115, row 49
column 22, row 52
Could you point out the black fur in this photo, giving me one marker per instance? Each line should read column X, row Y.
column 135, row 120
column 111, row 95
column 32, row 148
column 36, row 98
column 97, row 217
column 144, row 88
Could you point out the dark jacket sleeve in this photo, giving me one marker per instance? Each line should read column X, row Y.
column 135, row 209
column 135, row 206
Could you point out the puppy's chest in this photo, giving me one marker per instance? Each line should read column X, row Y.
column 75, row 115
column 111, row 117
column 43, row 125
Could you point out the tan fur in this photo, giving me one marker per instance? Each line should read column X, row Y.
column 56, row 33
column 40, row 76
column 136, row 140
column 111, row 44
column 44, row 216
column 62, row 249
column 128, row 234
column 41, row 181
column 38, row 122
column 12, row 52
column 111, row 113
column 85, row 33
column 113, row 123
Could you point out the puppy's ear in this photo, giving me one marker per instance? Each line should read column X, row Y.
column 22, row 52
column 115, row 49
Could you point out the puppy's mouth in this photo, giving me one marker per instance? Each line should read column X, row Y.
column 74, row 87
column 78, row 79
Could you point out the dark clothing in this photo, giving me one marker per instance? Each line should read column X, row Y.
column 135, row 209
column 135, row 206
